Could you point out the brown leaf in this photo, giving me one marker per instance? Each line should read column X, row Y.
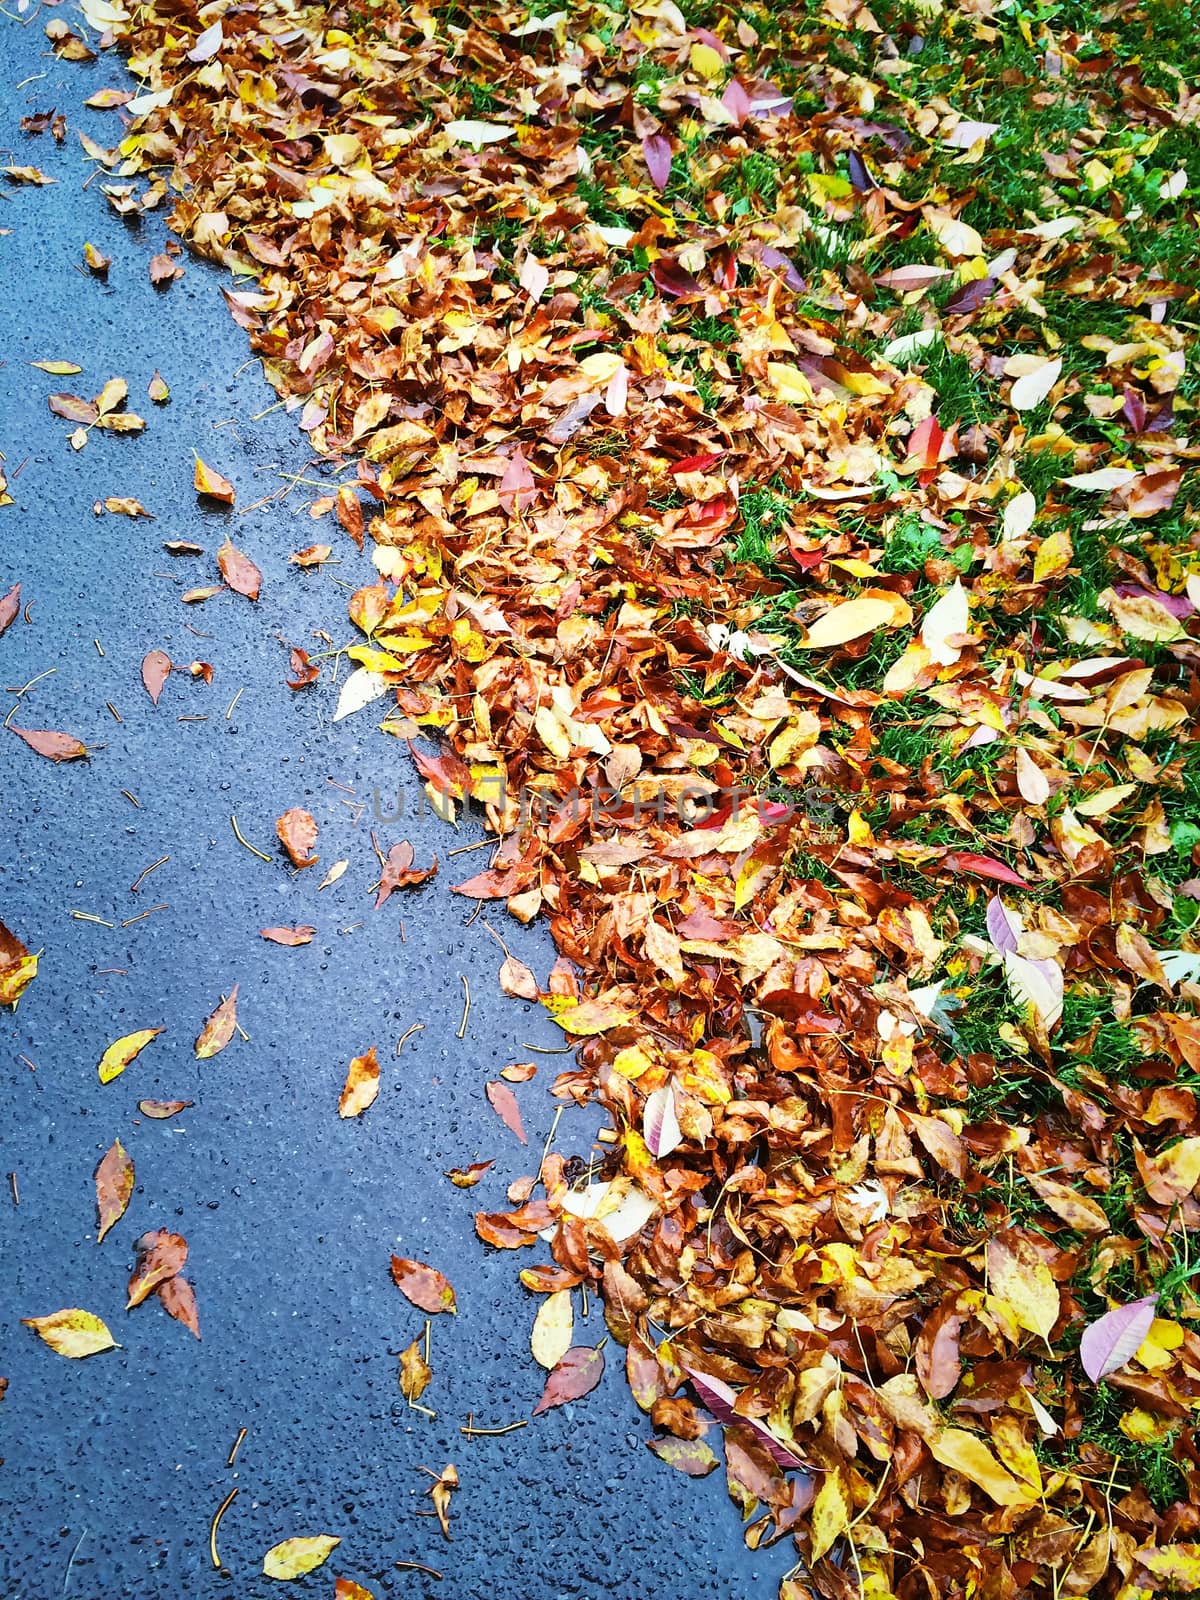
column 73, row 408
column 424, row 1286
column 179, row 1301
column 211, row 483
column 164, row 269
column 504, row 1104
column 288, row 936
column 577, row 1374
column 350, row 513
column 54, row 746
column 10, row 607
column 399, row 872
column 239, row 572
column 156, row 669
column 114, row 1186
column 313, row 555
column 517, row 980
column 415, row 1372
column 361, row 1086
column 936, row 1355
column 297, row 830
column 219, row 1029
column 160, row 1110
column 304, row 672
column 160, row 1256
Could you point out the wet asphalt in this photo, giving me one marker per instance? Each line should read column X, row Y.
column 113, row 1466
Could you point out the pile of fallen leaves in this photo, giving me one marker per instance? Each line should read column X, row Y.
column 776, row 483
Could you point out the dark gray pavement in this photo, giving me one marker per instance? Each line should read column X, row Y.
column 113, row 1466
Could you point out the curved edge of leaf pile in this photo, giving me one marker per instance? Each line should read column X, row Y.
column 773, row 429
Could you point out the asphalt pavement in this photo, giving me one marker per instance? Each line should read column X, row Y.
column 113, row 1466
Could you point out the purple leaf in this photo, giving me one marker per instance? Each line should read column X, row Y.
column 719, row 1398
column 672, row 279
column 1113, row 1339
column 860, row 178
column 656, row 148
column 770, row 257
column 1000, row 929
column 970, row 297
column 736, row 101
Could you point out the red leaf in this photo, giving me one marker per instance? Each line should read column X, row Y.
column 160, row 1256
column 982, row 867
column 673, row 280
column 288, row 936
column 10, row 605
column 306, row 672
column 425, row 1286
column 54, row 746
column 399, row 872
column 239, row 571
column 179, row 1301
column 504, row 1104
column 577, row 1374
column 156, row 669
column 297, row 832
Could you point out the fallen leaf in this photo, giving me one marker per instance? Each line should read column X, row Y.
column 399, row 873
column 424, row 1286
column 10, row 607
column 239, row 572
column 468, row 1177
column 161, row 1255
column 288, row 936
column 160, row 1110
column 54, row 746
column 292, row 1558
column 114, row 1186
column 847, row 621
column 156, row 669
column 119, row 1054
column 577, row 1374
column 297, row 832
column 219, row 1029
column 72, row 1333
column 178, row 1300
column 1031, row 388
column 552, row 1329
column 210, row 483
column 1115, row 1338
column 504, row 1104
column 361, row 1086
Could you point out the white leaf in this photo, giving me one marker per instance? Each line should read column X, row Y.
column 207, row 43
column 1018, row 515
column 946, row 617
column 1045, row 1421
column 623, row 1216
column 479, row 133
column 553, row 1329
column 1105, row 478
column 965, row 134
column 957, row 238
column 142, row 103
column 359, row 689
column 1180, row 966
column 535, row 278
column 1031, row 780
column 1038, row 984
column 1055, row 229
column 908, row 345
column 1032, row 388
column 660, row 1125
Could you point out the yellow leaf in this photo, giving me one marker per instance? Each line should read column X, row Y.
column 15, row 979
column 1016, row 1452
column 60, row 369
column 553, row 1329
column 789, row 384
column 1018, row 1275
column 1176, row 1564
column 847, row 621
column 706, row 61
column 830, row 1515
column 294, row 1557
column 118, row 1056
column 1054, row 556
column 966, row 1453
column 72, row 1333
column 361, row 1086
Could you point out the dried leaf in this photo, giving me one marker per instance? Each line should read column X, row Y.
column 54, row 746
column 553, row 1328
column 1115, row 1338
column 156, row 669
column 160, row 1256
column 288, row 936
column 159, row 1110
column 178, row 1300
